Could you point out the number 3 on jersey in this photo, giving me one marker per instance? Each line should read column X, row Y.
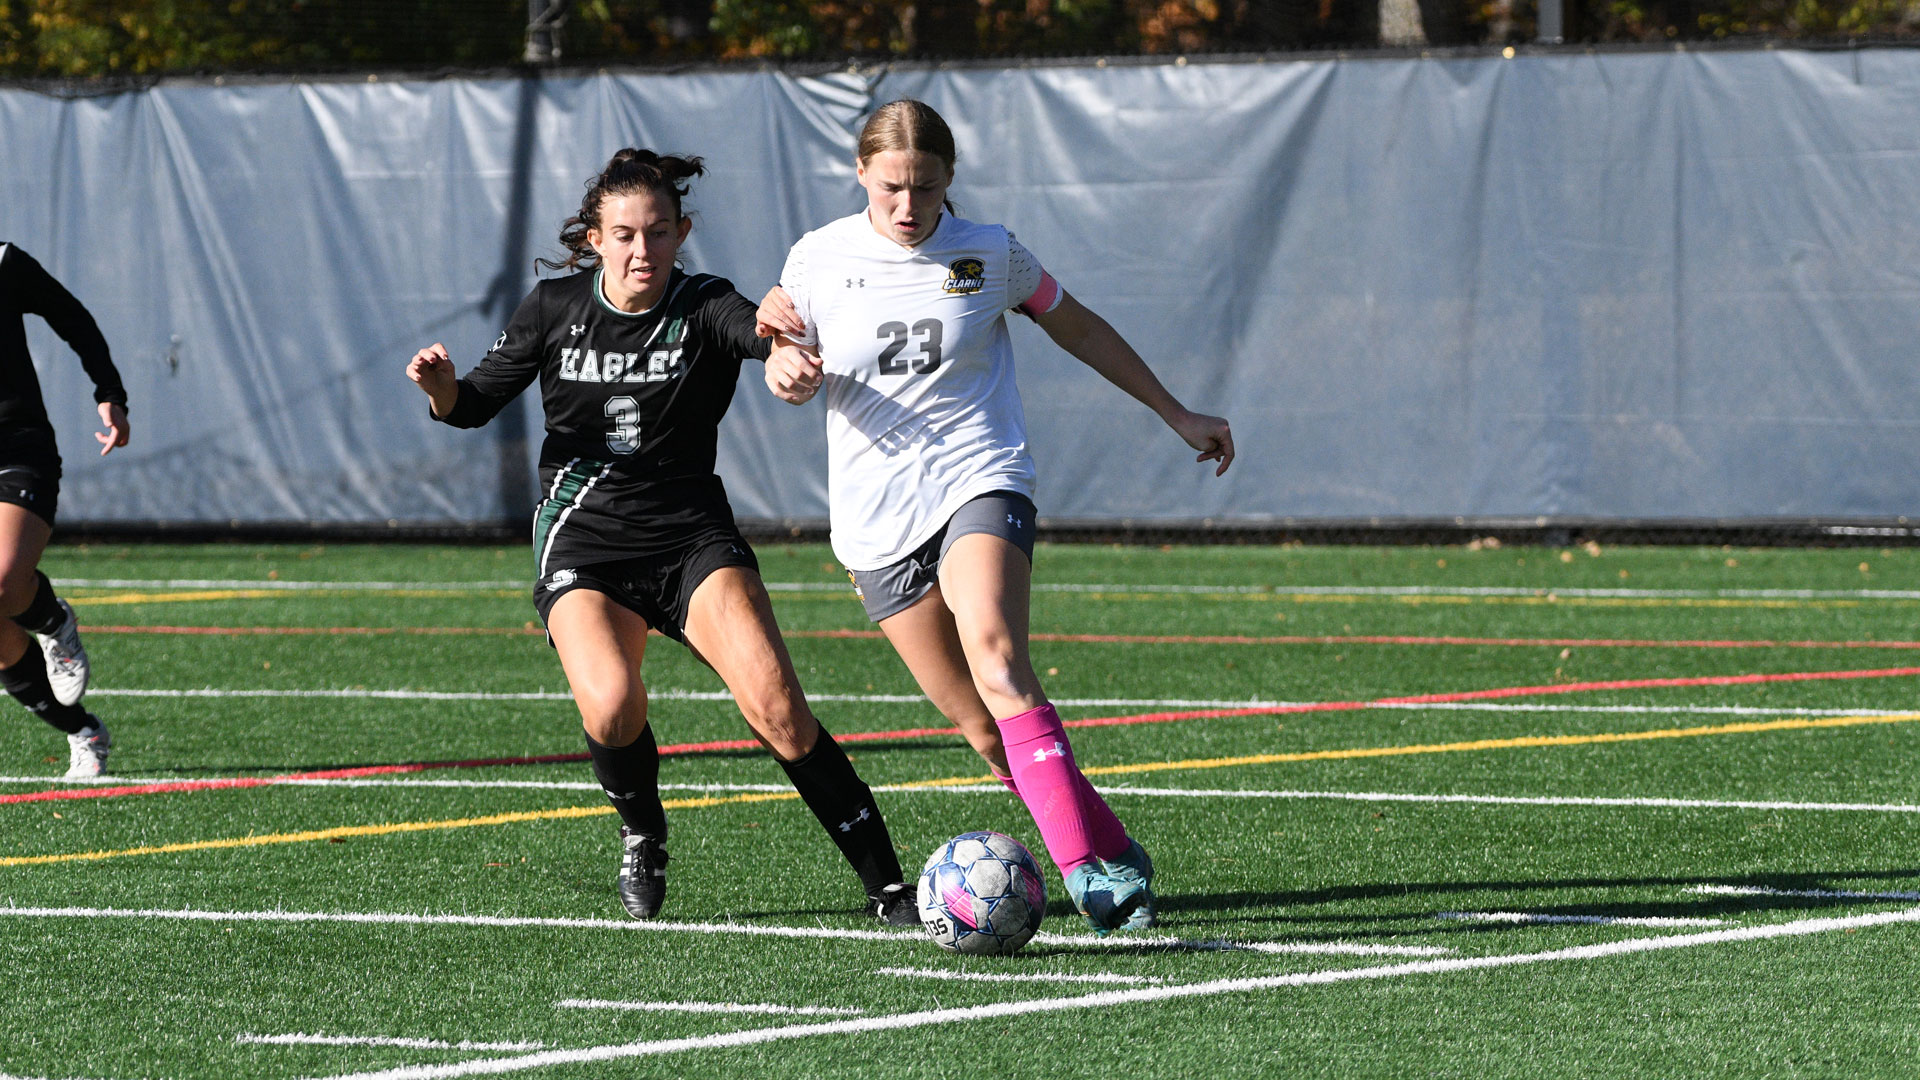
column 625, row 413
column 926, row 333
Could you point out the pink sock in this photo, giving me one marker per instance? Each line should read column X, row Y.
column 1075, row 823
column 1006, row 779
column 1108, row 835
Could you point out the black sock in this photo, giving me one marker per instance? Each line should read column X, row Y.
column 43, row 615
column 26, row 680
column 844, row 804
column 631, row 777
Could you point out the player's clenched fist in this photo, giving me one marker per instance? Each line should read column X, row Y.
column 432, row 369
column 793, row 374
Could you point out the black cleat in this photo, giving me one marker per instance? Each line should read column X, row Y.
column 895, row 905
column 643, row 874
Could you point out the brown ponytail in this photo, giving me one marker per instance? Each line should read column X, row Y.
column 630, row 172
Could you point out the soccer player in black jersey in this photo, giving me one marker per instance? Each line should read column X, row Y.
column 41, row 661
column 637, row 363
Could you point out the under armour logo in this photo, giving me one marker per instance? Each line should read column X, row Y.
column 579, row 328
column 1013, row 521
column 847, row 826
column 1058, row 751
column 856, row 283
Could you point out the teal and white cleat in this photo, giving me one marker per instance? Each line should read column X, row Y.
column 1136, row 865
column 1105, row 900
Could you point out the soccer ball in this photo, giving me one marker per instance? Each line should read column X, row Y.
column 982, row 893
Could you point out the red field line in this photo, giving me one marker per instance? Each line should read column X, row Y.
column 911, row 733
column 1081, row 639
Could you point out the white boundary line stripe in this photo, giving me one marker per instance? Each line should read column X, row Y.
column 1038, row 977
column 1113, row 789
column 1142, row 942
column 917, row 699
column 708, row 1007
column 1110, row 998
column 399, row 918
column 1058, row 587
column 1578, row 920
column 1823, row 894
column 1520, row 800
column 303, row 1039
column 1278, row 948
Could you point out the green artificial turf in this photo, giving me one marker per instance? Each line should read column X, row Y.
column 1317, row 896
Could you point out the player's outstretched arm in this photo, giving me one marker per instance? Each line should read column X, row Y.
column 113, row 416
column 1094, row 342
column 432, row 370
column 793, row 374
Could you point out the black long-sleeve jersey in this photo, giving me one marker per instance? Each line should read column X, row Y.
column 633, row 405
column 26, row 288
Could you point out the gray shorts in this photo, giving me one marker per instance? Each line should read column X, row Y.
column 893, row 589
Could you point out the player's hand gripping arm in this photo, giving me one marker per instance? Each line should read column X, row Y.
column 1095, row 343
column 778, row 316
column 432, row 370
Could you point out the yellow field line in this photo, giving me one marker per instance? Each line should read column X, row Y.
column 347, row 831
column 344, row 832
column 1747, row 728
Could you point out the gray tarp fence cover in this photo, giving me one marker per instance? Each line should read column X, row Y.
column 1634, row 285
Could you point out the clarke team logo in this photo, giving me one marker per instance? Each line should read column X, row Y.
column 561, row 579
column 966, row 276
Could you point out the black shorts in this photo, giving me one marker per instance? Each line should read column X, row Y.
column 893, row 589
column 30, row 474
column 657, row 588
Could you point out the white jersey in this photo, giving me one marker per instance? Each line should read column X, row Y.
column 923, row 412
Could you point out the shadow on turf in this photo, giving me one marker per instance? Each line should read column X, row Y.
column 1182, row 911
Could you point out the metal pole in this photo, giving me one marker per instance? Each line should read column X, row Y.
column 544, row 19
column 1553, row 25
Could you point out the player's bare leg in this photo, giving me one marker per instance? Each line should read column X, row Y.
column 27, row 598
column 730, row 626
column 24, row 668
column 601, row 645
column 987, row 583
column 925, row 637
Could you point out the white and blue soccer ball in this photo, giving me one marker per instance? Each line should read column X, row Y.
column 981, row 893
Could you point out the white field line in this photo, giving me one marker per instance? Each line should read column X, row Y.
column 1059, row 587
column 1525, row 917
column 1072, row 703
column 1277, row 948
column 404, row 919
column 10, row 1076
column 303, row 1039
column 656, row 695
column 1517, row 800
column 1038, row 977
column 1822, row 894
column 1143, row 942
column 1110, row 789
column 1108, row 999
column 708, row 1007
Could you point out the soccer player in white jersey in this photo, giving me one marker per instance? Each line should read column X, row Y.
column 899, row 314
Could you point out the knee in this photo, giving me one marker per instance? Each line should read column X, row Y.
column 999, row 673
column 613, row 712
column 782, row 721
column 18, row 583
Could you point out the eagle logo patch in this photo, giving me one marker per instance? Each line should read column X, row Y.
column 966, row 276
